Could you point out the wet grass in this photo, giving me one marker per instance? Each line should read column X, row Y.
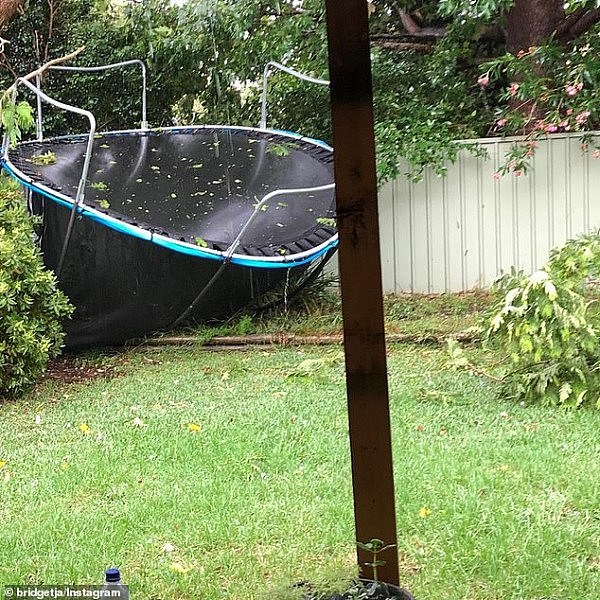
column 318, row 312
column 227, row 476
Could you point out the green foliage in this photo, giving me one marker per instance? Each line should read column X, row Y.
column 205, row 62
column 544, row 90
column 145, row 30
column 543, row 323
column 474, row 9
column 16, row 118
column 31, row 308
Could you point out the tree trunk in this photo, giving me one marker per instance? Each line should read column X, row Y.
column 532, row 22
column 8, row 9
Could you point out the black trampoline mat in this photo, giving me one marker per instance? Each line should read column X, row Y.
column 198, row 185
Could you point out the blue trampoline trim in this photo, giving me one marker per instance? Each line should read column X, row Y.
column 174, row 245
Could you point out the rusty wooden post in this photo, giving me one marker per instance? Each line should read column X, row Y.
column 360, row 277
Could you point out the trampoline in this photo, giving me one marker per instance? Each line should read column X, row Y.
column 150, row 229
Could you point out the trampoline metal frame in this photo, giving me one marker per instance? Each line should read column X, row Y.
column 79, row 196
column 79, row 206
column 125, row 63
column 289, row 71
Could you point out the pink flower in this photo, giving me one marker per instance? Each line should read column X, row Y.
column 573, row 89
column 596, row 154
column 569, row 111
column 565, row 125
column 551, row 128
column 483, row 81
column 501, row 123
column 513, row 89
column 582, row 117
column 518, row 173
column 497, row 175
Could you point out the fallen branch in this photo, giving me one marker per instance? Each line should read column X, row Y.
column 43, row 68
column 300, row 340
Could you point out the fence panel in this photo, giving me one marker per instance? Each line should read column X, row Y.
column 462, row 231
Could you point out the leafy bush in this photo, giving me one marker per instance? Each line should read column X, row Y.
column 546, row 325
column 31, row 307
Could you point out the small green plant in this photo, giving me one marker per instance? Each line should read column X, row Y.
column 364, row 589
column 245, row 325
column 105, row 204
column 31, row 307
column 375, row 547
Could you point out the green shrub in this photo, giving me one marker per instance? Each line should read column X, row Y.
column 31, row 307
column 547, row 327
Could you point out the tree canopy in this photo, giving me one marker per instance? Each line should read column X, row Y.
column 443, row 71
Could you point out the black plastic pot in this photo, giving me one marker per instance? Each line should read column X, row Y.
column 386, row 591
column 364, row 589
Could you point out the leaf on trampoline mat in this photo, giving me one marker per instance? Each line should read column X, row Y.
column 104, row 203
column 278, row 150
column 46, row 158
column 326, row 221
column 200, row 242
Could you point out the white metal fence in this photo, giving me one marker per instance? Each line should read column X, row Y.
column 462, row 231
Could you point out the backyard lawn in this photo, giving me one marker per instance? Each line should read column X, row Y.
column 226, row 475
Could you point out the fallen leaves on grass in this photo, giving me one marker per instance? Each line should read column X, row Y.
column 424, row 512
column 178, row 567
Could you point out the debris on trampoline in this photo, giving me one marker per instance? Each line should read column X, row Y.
column 150, row 229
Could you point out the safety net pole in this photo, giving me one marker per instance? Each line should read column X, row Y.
column 360, row 278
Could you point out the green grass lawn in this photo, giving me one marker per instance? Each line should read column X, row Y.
column 226, row 476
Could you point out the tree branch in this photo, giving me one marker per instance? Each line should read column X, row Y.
column 44, row 68
column 415, row 30
column 10, row 8
column 577, row 23
column 403, row 46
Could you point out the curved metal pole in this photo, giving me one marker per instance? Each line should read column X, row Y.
column 86, row 163
column 236, row 242
column 289, row 71
column 257, row 209
column 126, row 63
column 38, row 119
